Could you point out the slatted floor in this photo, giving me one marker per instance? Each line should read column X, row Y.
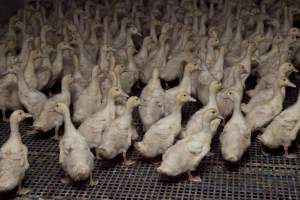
column 255, row 177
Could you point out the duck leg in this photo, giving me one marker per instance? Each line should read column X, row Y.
column 56, row 133
column 286, row 153
column 4, row 118
column 126, row 161
column 66, row 180
column 261, row 146
column 192, row 178
column 22, row 191
column 98, row 155
column 92, row 182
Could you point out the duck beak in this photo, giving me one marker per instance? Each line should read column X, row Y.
column 123, row 94
column 290, row 84
column 191, row 99
column 139, row 34
column 295, row 70
column 220, row 117
column 27, row 115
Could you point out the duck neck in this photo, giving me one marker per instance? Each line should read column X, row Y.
column 237, row 108
column 186, row 80
column 203, row 28
column 238, row 34
column 93, row 37
column 206, row 125
column 14, row 131
column 212, row 102
column 286, row 22
column 65, row 88
column 195, row 23
column 68, row 123
column 153, row 32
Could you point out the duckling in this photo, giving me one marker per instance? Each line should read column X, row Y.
column 14, row 157
column 283, row 129
column 236, row 136
column 194, row 125
column 187, row 153
column 89, row 99
column 152, row 98
column 75, row 156
column 117, row 137
column 92, row 128
column 184, row 86
column 48, row 120
column 265, row 111
column 162, row 134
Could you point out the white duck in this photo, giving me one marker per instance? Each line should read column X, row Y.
column 283, row 129
column 92, row 128
column 152, row 101
column 236, row 136
column 184, row 86
column 265, row 111
column 194, row 125
column 162, row 134
column 187, row 153
column 14, row 157
column 75, row 156
column 89, row 99
column 48, row 120
column 117, row 137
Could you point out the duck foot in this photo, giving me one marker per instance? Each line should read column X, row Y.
column 55, row 137
column 209, row 154
column 195, row 179
column 22, row 191
column 92, row 183
column 126, row 161
column 287, row 154
column 290, row 156
column 66, row 181
column 31, row 132
column 129, row 162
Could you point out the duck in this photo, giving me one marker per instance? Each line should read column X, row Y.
column 184, row 86
column 236, row 136
column 194, row 125
column 14, row 157
column 161, row 135
column 90, row 98
column 117, row 137
column 48, row 120
column 157, row 60
column 92, row 128
column 32, row 99
column 266, row 81
column 283, row 130
column 187, row 153
column 264, row 112
column 130, row 75
column 263, row 91
column 29, row 69
column 152, row 101
column 79, row 83
column 225, row 105
column 57, row 65
column 75, row 156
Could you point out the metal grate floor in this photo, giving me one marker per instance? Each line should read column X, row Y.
column 255, row 177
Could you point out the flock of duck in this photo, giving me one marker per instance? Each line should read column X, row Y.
column 98, row 50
